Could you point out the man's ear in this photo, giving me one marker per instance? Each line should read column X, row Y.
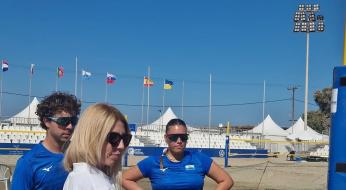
column 46, row 122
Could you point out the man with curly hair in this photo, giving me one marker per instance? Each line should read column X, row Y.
column 41, row 168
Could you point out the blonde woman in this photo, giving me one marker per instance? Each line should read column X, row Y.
column 93, row 157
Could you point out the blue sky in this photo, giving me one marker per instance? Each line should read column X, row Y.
column 241, row 43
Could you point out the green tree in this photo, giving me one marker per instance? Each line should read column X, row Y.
column 320, row 120
column 323, row 100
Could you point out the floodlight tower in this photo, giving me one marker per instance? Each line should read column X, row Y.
column 305, row 20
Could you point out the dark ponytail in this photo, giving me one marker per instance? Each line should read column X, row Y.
column 174, row 122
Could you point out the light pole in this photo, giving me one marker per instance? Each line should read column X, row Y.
column 305, row 21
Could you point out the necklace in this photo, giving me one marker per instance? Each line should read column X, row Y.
column 172, row 159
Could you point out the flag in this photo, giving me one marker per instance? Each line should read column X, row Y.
column 110, row 78
column 148, row 82
column 60, row 71
column 168, row 85
column 32, row 69
column 4, row 65
column 86, row 74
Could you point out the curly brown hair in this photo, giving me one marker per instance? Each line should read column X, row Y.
column 55, row 103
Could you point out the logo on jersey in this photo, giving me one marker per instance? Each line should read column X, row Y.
column 163, row 169
column 47, row 169
column 190, row 167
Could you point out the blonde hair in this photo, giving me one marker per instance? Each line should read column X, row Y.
column 90, row 136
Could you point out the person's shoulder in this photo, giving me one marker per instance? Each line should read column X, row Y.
column 85, row 176
column 31, row 154
column 152, row 159
column 149, row 161
column 78, row 179
column 199, row 155
column 193, row 153
column 81, row 172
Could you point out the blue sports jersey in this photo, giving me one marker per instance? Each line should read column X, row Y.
column 39, row 169
column 186, row 174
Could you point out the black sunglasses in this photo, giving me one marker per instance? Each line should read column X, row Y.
column 64, row 121
column 114, row 139
column 174, row 137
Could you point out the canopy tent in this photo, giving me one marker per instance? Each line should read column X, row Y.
column 165, row 118
column 297, row 132
column 269, row 128
column 273, row 132
column 27, row 115
column 161, row 121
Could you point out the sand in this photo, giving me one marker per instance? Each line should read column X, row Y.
column 251, row 173
column 276, row 173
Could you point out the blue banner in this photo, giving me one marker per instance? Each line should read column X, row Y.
column 19, row 149
column 233, row 153
column 132, row 127
column 14, row 148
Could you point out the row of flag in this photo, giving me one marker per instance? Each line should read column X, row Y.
column 4, row 66
column 110, row 78
column 149, row 83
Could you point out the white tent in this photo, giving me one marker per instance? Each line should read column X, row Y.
column 27, row 115
column 270, row 128
column 273, row 133
column 165, row 118
column 162, row 121
column 297, row 132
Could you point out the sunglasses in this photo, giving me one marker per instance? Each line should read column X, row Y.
column 64, row 121
column 174, row 137
column 114, row 139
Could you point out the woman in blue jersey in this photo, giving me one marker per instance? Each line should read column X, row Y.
column 94, row 154
column 176, row 168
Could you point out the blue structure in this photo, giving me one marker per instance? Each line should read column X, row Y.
column 337, row 153
column 132, row 127
column 227, row 146
column 226, row 151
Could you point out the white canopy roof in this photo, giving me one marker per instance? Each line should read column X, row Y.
column 270, row 128
column 161, row 121
column 300, row 133
column 27, row 115
column 165, row 118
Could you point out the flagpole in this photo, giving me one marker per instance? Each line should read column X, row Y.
column 163, row 106
column 106, row 92
column 209, row 108
column 163, row 96
column 263, row 108
column 148, row 95
column 30, row 78
column 56, row 80
column 75, row 79
column 182, row 101
column 81, row 88
column 142, row 106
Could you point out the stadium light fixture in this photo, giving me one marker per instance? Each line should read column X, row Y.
column 305, row 20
